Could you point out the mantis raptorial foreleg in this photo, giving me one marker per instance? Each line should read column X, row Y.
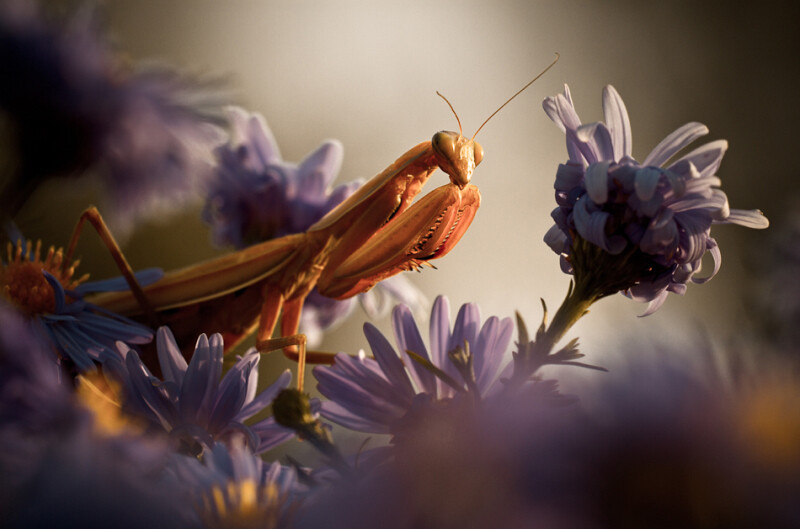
column 427, row 230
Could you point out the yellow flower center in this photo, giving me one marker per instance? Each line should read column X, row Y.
column 102, row 397
column 243, row 504
column 23, row 284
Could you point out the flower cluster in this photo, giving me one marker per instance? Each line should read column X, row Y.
column 669, row 444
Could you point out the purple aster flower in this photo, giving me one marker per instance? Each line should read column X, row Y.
column 376, row 394
column 48, row 294
column 150, row 130
column 160, row 152
column 192, row 403
column 667, row 445
column 233, row 487
column 53, row 455
column 256, row 196
column 653, row 218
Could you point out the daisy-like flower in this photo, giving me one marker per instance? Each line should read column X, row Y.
column 53, row 455
column 192, row 403
column 150, row 130
column 46, row 291
column 375, row 395
column 234, row 488
column 646, row 224
column 256, row 196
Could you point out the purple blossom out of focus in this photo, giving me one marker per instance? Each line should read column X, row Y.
column 192, row 403
column 669, row 444
column 657, row 214
column 148, row 130
column 57, row 470
column 377, row 394
column 233, row 487
column 256, row 196
column 31, row 391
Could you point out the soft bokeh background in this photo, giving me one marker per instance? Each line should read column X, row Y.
column 365, row 72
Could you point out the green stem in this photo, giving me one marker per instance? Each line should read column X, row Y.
column 574, row 306
column 597, row 274
column 534, row 355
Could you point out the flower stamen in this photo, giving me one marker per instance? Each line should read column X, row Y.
column 23, row 283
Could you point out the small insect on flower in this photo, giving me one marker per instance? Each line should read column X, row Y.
column 637, row 228
column 47, row 292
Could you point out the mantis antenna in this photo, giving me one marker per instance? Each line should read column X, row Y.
column 453, row 109
column 558, row 56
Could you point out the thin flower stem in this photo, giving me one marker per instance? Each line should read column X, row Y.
column 574, row 306
column 534, row 354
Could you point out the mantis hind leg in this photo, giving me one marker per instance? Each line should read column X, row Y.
column 292, row 343
column 92, row 215
column 290, row 324
column 297, row 344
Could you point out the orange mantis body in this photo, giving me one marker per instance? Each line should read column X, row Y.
column 374, row 234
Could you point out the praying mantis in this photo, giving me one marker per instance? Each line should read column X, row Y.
column 374, row 234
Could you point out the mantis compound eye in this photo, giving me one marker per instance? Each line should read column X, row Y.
column 445, row 144
column 478, row 152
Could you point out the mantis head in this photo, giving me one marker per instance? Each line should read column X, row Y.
column 457, row 156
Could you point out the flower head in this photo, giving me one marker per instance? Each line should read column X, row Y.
column 375, row 394
column 256, row 196
column 150, row 130
column 649, row 222
column 192, row 403
column 46, row 291
column 233, row 488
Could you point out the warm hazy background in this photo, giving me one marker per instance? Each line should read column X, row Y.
column 365, row 72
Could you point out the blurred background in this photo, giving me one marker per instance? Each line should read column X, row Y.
column 366, row 73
